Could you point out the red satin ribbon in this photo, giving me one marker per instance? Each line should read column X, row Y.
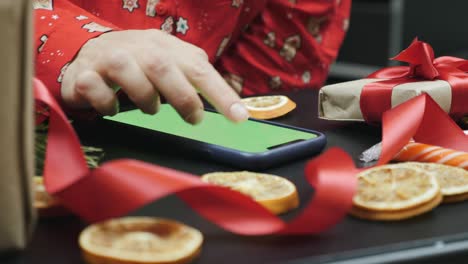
column 376, row 97
column 118, row 187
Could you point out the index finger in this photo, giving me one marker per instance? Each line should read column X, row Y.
column 214, row 88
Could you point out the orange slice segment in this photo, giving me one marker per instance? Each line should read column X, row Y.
column 132, row 240
column 268, row 107
column 453, row 181
column 46, row 205
column 275, row 193
column 395, row 187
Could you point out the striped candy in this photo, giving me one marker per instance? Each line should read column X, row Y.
column 427, row 153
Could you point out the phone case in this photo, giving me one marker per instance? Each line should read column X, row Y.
column 232, row 157
column 271, row 158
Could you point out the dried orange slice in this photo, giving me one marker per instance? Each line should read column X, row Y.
column 399, row 214
column 268, row 107
column 394, row 192
column 46, row 205
column 146, row 240
column 275, row 193
column 453, row 181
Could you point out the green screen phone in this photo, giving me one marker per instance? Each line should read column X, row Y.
column 249, row 141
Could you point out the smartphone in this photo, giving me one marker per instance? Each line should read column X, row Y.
column 252, row 145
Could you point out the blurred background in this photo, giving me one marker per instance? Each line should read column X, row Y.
column 380, row 29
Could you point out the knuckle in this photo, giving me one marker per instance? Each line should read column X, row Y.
column 200, row 53
column 84, row 81
column 199, row 70
column 157, row 37
column 118, row 60
column 157, row 64
column 153, row 33
column 91, row 43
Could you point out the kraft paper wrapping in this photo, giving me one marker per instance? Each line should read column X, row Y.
column 341, row 101
column 16, row 125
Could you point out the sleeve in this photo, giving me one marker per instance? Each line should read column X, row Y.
column 62, row 28
column 288, row 46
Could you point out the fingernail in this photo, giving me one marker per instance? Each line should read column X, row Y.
column 154, row 107
column 158, row 104
column 115, row 110
column 238, row 112
column 195, row 117
column 117, row 107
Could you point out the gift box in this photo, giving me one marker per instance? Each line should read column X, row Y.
column 445, row 79
column 17, row 127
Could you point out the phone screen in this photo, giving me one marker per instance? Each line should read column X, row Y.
column 249, row 136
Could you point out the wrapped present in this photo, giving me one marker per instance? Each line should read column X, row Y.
column 445, row 79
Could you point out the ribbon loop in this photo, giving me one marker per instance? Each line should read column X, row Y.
column 420, row 57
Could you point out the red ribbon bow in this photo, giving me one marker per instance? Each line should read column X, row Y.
column 376, row 96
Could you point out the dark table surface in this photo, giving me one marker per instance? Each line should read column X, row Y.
column 437, row 237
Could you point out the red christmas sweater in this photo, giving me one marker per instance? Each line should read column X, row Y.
column 259, row 46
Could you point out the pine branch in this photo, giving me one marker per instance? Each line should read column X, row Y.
column 93, row 155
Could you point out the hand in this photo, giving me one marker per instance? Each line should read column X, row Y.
column 146, row 63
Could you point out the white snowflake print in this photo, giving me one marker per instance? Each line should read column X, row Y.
column 237, row 3
column 222, row 46
column 168, row 25
column 95, row 27
column 55, row 17
column 62, row 72
column 275, row 82
column 235, row 81
column 182, row 25
column 43, row 4
column 306, row 77
column 346, row 24
column 81, row 17
column 290, row 47
column 130, row 5
column 270, row 39
column 151, row 7
column 43, row 40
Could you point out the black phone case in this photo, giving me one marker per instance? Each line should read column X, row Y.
column 232, row 157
